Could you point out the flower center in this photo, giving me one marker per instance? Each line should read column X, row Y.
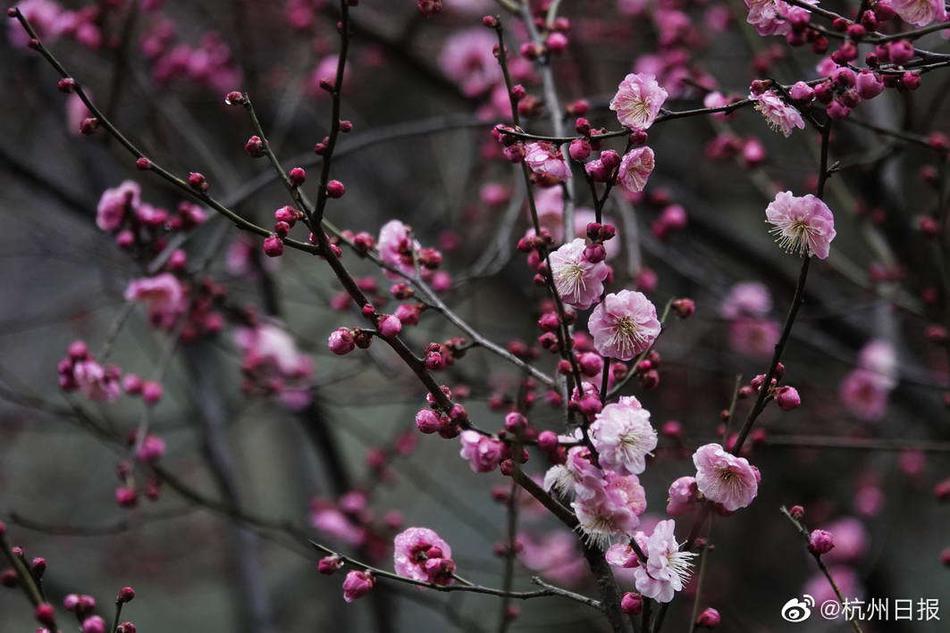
column 626, row 335
column 570, row 278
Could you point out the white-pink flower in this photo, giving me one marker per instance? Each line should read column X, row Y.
column 467, row 58
column 638, row 101
column 421, row 554
column 114, row 203
column 635, row 169
column 920, row 12
column 547, row 163
column 623, row 325
column 395, row 245
column 164, row 296
column 623, row 436
column 683, row 494
column 611, row 509
column 780, row 116
column 667, row 569
column 746, row 299
column 482, row 452
column 803, row 225
column 723, row 478
column 578, row 281
column 577, row 475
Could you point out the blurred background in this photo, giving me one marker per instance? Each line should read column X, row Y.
column 863, row 454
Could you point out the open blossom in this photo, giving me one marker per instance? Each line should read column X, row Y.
column 95, row 381
column 754, row 337
column 396, row 246
column 723, row 478
column 554, row 555
column 920, row 12
column 164, row 296
column 780, row 116
column 578, row 281
column 635, row 169
column 577, row 475
column 623, row 325
column 467, row 59
column 482, row 452
column 547, row 163
column 114, row 203
column 803, row 225
column 638, row 101
column 773, row 17
column 610, row 508
column 420, row 554
column 272, row 362
column 864, row 393
column 623, row 436
column 667, row 569
column 748, row 299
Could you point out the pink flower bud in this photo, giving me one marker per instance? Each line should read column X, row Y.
column 335, row 189
column 428, row 421
column 329, row 564
column 820, row 542
column 151, row 392
column 357, row 584
column 787, row 398
column 126, row 594
column 273, row 247
column 547, row 440
column 389, row 326
column 579, row 149
column 709, row 618
column 341, row 341
column 631, row 603
column 869, row 84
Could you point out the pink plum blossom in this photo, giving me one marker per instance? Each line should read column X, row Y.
column 395, row 247
column 555, row 556
column 482, row 452
column 547, row 163
column 920, row 12
column 623, row 325
column 803, row 225
column 748, row 298
column 667, row 569
column 635, row 169
column 96, row 382
column 468, row 60
column 780, row 116
column 420, row 554
column 357, row 584
column 864, row 393
column 578, row 281
column 163, row 294
column 610, row 508
column 724, row 478
column 114, row 203
column 623, row 436
column 683, row 495
column 638, row 101
column 754, row 337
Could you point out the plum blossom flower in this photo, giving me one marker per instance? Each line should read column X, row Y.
column 683, row 494
column 803, row 225
column 578, row 281
column 96, row 382
column 610, row 508
column 553, row 555
column 880, row 357
column 273, row 362
column 482, row 452
column 723, row 478
column 864, row 393
column 638, row 101
column 420, row 554
column 773, row 17
column 920, row 12
column 164, row 296
column 623, row 436
column 396, row 246
column 114, row 203
column 577, row 475
column 780, row 116
column 635, row 169
column 547, row 163
column 467, row 59
column 623, row 325
column 754, row 337
column 357, row 584
column 667, row 569
column 747, row 298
